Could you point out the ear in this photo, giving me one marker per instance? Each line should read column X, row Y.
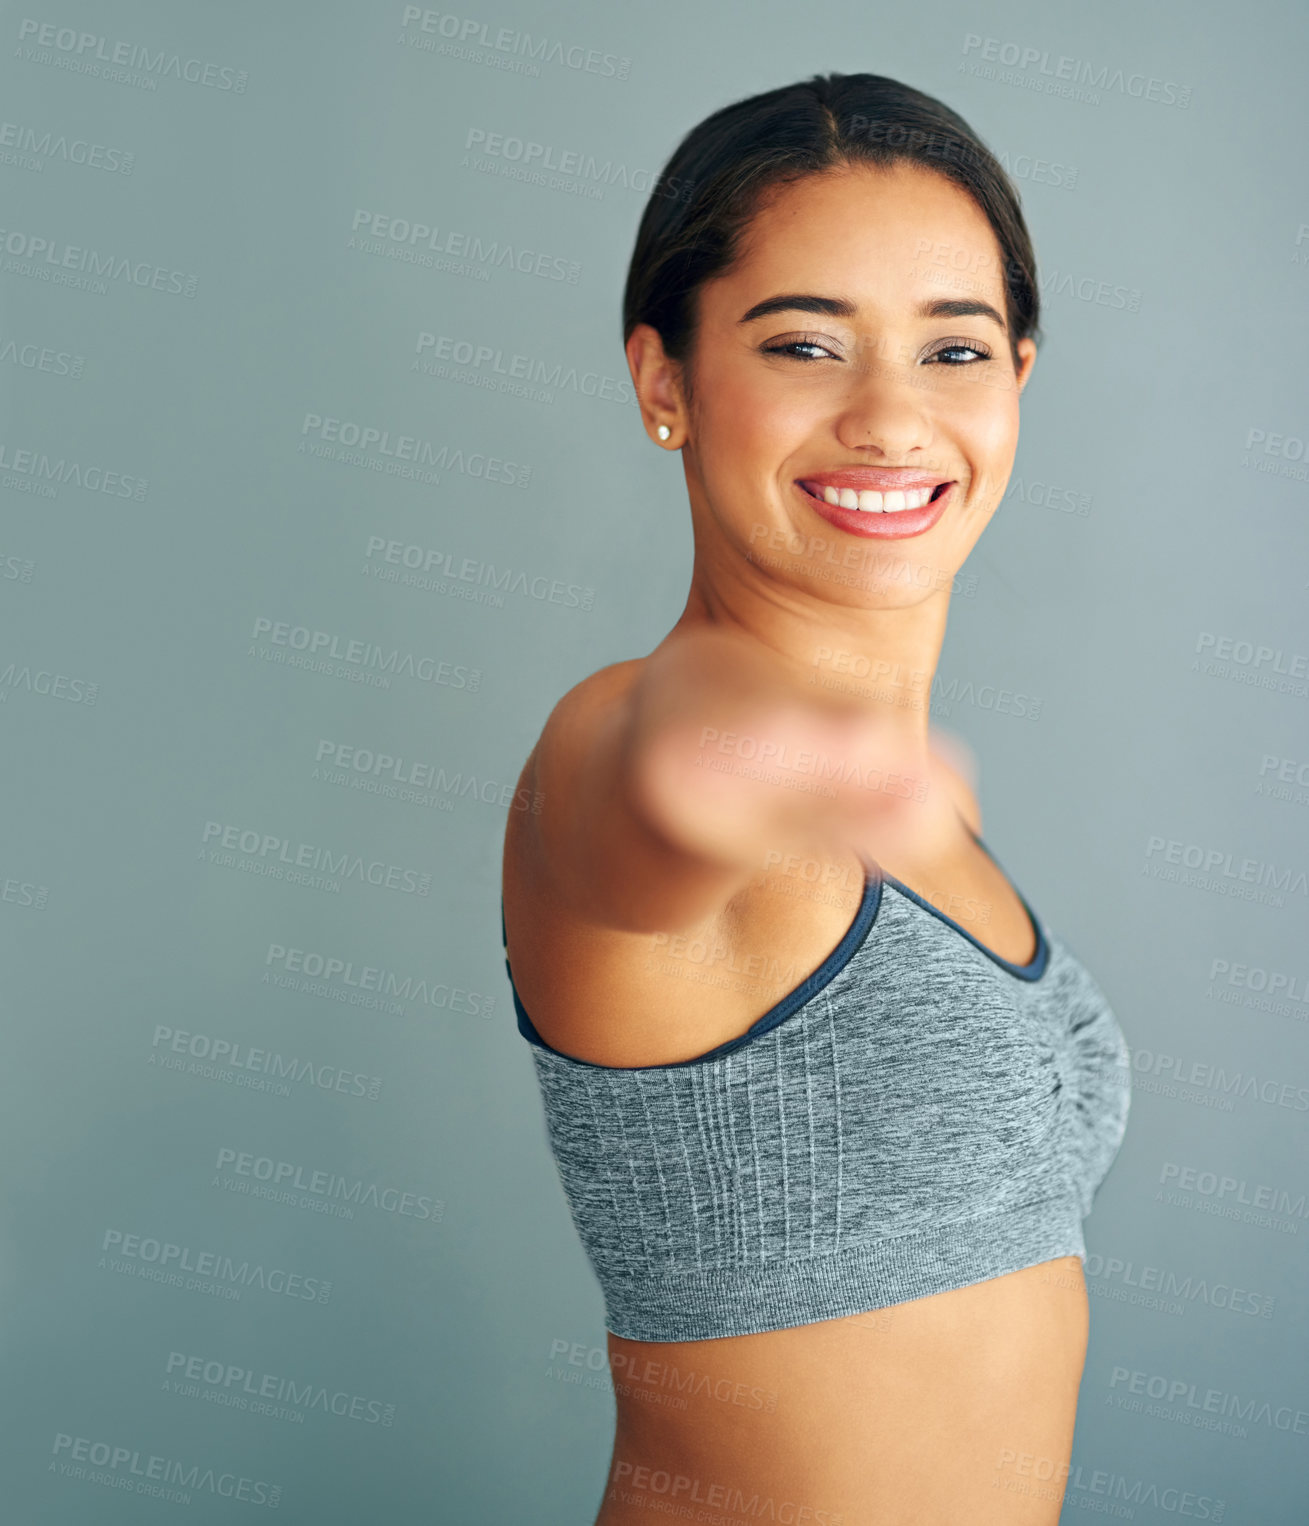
column 657, row 380
column 1026, row 360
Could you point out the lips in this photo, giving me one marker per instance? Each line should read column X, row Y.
column 896, row 524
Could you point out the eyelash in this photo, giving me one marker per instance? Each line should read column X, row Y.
column 979, row 350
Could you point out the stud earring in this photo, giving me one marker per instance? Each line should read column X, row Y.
column 663, row 431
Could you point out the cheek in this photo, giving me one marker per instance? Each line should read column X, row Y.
column 745, row 398
column 757, row 410
column 987, row 421
column 746, row 428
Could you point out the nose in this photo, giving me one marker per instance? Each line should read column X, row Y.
column 882, row 407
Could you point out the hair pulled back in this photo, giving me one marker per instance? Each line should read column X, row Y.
column 716, row 179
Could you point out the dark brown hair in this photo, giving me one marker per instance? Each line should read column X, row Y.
column 717, row 177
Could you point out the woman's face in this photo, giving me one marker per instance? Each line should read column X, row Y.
column 915, row 397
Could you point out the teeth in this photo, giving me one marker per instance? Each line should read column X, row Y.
column 876, row 503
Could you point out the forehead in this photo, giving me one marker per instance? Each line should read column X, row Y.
column 881, row 236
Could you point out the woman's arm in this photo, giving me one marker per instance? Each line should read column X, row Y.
column 665, row 784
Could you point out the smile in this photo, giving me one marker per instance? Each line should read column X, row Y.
column 894, row 514
column 869, row 502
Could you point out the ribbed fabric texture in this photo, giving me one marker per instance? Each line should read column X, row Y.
column 919, row 1115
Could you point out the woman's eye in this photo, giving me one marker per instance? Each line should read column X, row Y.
column 789, row 346
column 812, row 349
column 980, row 351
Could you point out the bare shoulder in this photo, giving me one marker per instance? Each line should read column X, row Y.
column 570, row 727
column 547, row 787
column 590, row 857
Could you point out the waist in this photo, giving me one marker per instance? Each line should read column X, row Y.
column 919, row 1411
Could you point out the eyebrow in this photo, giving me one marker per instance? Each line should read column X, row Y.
column 841, row 307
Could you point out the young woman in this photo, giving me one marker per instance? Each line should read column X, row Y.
column 829, row 1102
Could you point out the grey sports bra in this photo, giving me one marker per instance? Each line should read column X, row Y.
column 918, row 1114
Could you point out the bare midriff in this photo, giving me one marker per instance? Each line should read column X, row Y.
column 952, row 1410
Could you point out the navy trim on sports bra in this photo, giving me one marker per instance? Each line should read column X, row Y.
column 1035, row 967
column 827, row 971
column 808, row 988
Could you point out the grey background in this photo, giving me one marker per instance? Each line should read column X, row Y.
column 1157, row 510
